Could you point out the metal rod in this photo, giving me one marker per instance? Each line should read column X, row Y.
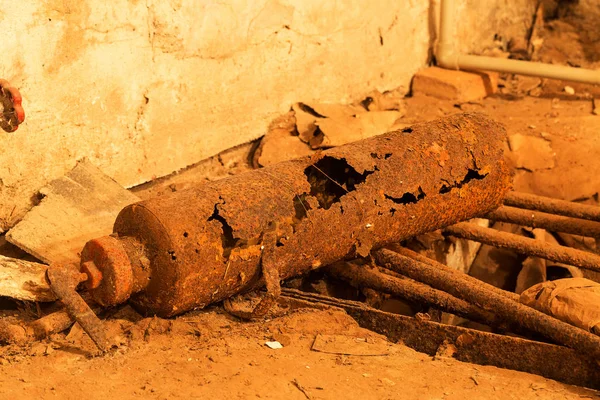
column 552, row 206
column 554, row 223
column 523, row 245
column 410, row 290
column 63, row 282
column 511, row 311
column 467, row 278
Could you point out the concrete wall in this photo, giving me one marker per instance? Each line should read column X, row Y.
column 144, row 88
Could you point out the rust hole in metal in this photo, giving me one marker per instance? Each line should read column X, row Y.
column 472, row 174
column 227, row 239
column 331, row 178
column 407, row 198
column 301, row 207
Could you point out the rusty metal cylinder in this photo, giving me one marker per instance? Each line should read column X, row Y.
column 174, row 253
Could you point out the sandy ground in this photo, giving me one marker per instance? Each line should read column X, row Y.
column 210, row 355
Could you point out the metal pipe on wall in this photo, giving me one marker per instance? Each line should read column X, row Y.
column 448, row 57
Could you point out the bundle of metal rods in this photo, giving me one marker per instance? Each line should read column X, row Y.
column 413, row 277
column 539, row 212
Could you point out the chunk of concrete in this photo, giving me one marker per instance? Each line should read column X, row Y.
column 448, row 84
column 77, row 207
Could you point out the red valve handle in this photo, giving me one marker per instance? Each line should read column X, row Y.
column 11, row 109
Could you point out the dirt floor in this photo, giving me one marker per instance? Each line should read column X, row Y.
column 210, row 355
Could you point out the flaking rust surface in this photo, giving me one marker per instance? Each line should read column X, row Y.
column 338, row 203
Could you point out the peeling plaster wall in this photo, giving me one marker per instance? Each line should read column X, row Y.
column 478, row 21
column 144, row 88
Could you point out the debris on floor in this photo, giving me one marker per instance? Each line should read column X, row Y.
column 75, row 208
column 281, row 143
column 459, row 86
column 312, row 126
column 274, row 345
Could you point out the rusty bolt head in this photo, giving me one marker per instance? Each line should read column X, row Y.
column 94, row 276
column 107, row 265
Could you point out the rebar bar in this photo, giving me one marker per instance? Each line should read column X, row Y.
column 511, row 311
column 523, row 245
column 410, row 290
column 551, row 222
column 467, row 278
column 552, row 206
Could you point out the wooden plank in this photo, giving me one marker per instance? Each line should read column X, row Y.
column 77, row 207
column 24, row 280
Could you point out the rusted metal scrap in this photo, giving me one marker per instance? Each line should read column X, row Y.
column 505, row 308
column 365, row 276
column 64, row 282
column 551, row 361
column 523, row 245
column 551, row 222
column 468, row 279
column 202, row 245
column 552, row 206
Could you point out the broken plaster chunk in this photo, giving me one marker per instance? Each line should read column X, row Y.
column 455, row 85
column 531, row 153
column 342, row 130
column 525, row 84
column 307, row 116
column 329, row 125
column 305, row 122
column 280, row 145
